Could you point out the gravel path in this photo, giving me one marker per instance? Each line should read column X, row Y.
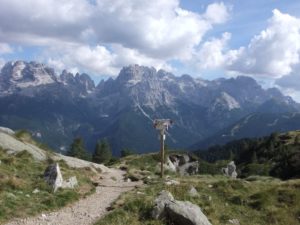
column 88, row 210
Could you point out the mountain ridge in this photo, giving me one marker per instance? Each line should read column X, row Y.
column 122, row 109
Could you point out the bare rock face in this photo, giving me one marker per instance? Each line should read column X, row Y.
column 53, row 176
column 230, row 170
column 7, row 130
column 179, row 212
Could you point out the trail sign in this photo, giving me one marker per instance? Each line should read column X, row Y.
column 162, row 126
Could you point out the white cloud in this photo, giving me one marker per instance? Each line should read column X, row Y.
column 148, row 31
column 217, row 13
column 275, row 51
column 98, row 60
column 5, row 48
column 212, row 53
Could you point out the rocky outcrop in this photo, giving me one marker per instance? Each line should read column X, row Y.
column 13, row 146
column 7, row 130
column 53, row 177
column 185, row 164
column 230, row 170
column 178, row 212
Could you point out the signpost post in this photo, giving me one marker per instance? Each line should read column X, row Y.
column 162, row 126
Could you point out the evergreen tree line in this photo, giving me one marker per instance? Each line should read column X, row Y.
column 102, row 152
column 276, row 155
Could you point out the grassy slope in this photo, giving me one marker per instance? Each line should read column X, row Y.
column 20, row 174
column 256, row 201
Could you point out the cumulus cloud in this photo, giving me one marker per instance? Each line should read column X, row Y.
column 148, row 31
column 217, row 13
column 215, row 54
column 98, row 60
column 275, row 51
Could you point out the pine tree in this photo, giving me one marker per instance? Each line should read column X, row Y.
column 126, row 152
column 77, row 149
column 254, row 157
column 297, row 140
column 231, row 156
column 102, row 153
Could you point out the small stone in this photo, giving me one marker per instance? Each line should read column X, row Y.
column 234, row 221
column 35, row 191
column 70, row 183
column 11, row 195
column 210, row 186
column 43, row 217
column 172, row 182
column 193, row 192
column 28, row 196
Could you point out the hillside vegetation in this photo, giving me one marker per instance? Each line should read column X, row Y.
column 23, row 191
column 276, row 155
column 256, row 200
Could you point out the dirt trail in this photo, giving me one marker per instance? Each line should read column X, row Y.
column 88, row 210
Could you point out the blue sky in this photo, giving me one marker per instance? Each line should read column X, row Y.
column 203, row 38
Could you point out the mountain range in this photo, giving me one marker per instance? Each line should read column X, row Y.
column 57, row 108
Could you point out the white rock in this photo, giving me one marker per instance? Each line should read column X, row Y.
column 35, row 191
column 53, row 176
column 172, row 182
column 234, row 221
column 70, row 183
column 193, row 192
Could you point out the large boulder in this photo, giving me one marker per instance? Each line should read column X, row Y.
column 230, row 170
column 160, row 202
column 53, row 177
column 178, row 212
column 185, row 213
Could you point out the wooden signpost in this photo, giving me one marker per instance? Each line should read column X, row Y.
column 162, row 126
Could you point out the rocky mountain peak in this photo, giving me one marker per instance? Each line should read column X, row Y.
column 67, row 78
column 224, row 101
column 134, row 74
column 20, row 74
column 85, row 81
